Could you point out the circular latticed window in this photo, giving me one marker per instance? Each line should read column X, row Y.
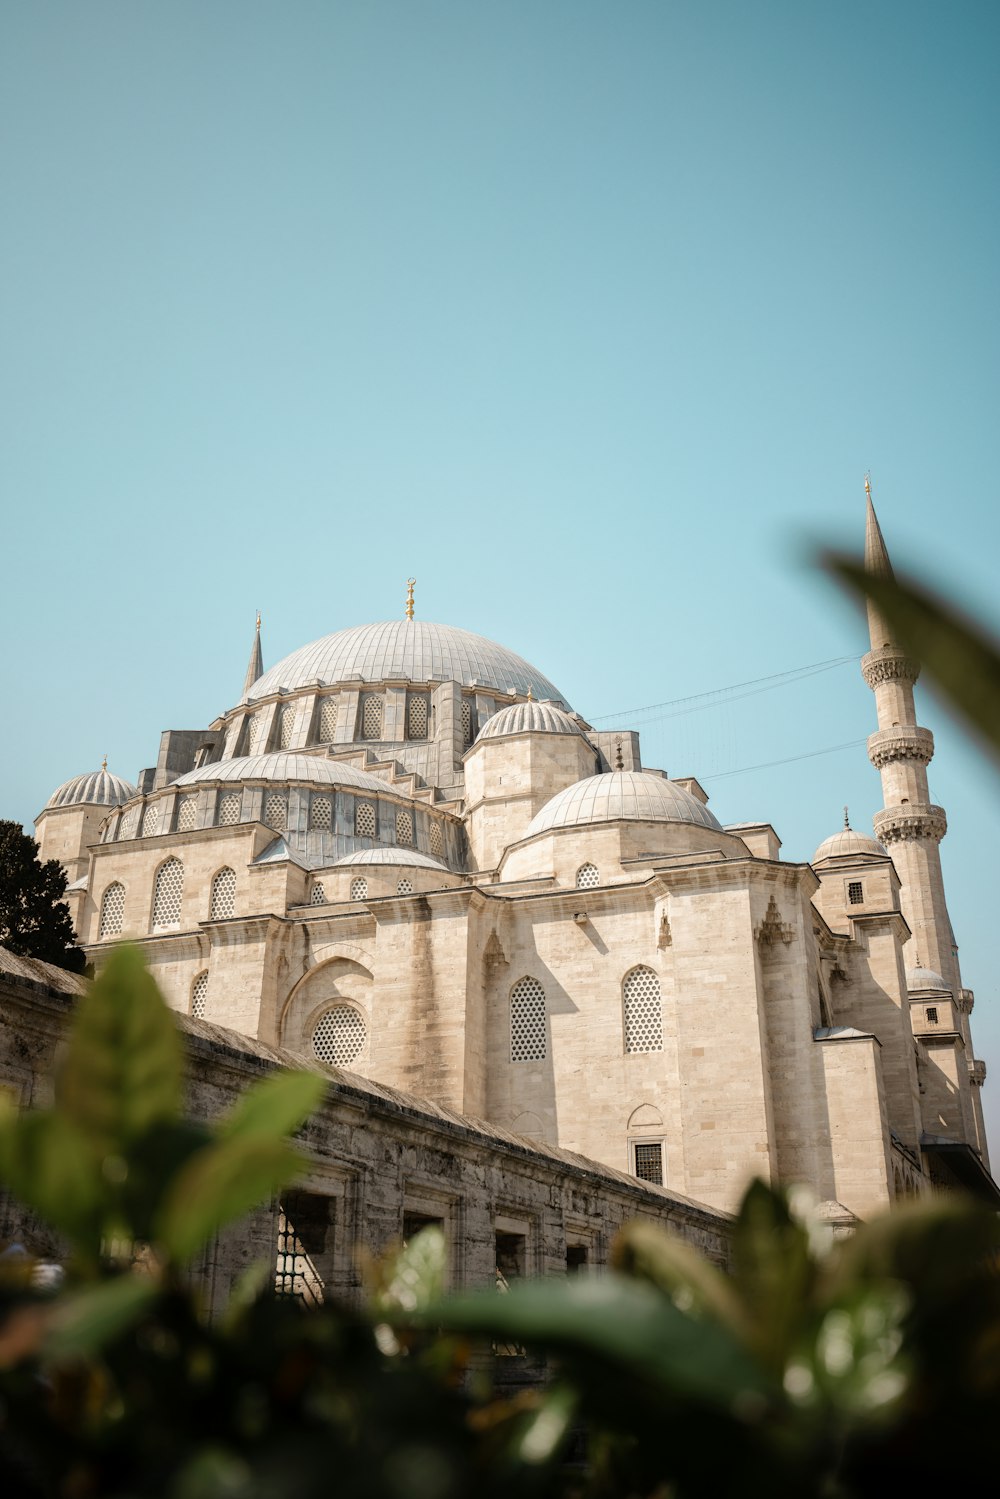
column 321, row 814
column 150, row 821
column 437, row 838
column 328, row 720
column 364, row 820
column 404, row 828
column 404, row 888
column 112, row 911
column 199, row 995
column 275, row 814
column 643, row 1011
column 186, row 814
column 223, row 895
column 167, row 893
column 527, row 1021
column 317, row 896
column 230, row 807
column 359, row 889
column 339, row 1037
column 587, row 877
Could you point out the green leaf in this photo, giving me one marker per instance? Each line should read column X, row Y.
column 963, row 661
column 276, row 1106
column 629, row 1327
column 48, row 1166
column 414, row 1277
column 647, row 1252
column 774, row 1274
column 546, row 1428
column 219, row 1184
column 86, row 1322
column 123, row 1068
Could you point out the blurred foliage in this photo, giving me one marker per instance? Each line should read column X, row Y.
column 34, row 919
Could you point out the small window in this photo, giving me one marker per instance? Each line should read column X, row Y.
column 167, row 894
column 855, row 893
column 255, row 728
column 112, row 911
column 371, row 716
column 199, row 995
column 414, row 1223
column 643, row 1011
column 932, row 1015
column 285, row 726
column 404, row 888
column 649, row 1162
column 527, row 1021
column 317, row 896
column 364, row 820
column 275, row 814
column 510, row 1250
column 416, row 716
column 339, row 1037
column 230, row 808
column 187, row 812
column 150, row 820
column 587, row 877
column 404, row 828
column 359, row 889
column 223, row 903
column 437, row 839
column 576, row 1258
column 327, row 720
column 321, row 814
column 127, row 825
column 468, row 731
column 305, row 1246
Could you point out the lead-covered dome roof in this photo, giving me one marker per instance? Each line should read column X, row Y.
column 923, row 978
column 412, row 858
column 622, row 795
column 405, row 650
column 95, row 787
column 529, row 718
column 309, row 770
column 848, row 844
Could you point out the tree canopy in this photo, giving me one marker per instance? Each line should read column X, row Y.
column 34, row 919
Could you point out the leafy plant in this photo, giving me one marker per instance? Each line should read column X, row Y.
column 34, row 919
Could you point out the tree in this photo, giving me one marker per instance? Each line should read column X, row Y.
column 34, row 920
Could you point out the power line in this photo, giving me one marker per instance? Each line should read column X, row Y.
column 675, row 707
column 831, row 749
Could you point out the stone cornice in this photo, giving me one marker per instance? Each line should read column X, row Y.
column 904, row 824
column 888, row 664
column 905, row 742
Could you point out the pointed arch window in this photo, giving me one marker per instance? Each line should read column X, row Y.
column 167, row 892
column 643, row 1011
column 199, row 995
column 223, row 901
column 587, row 877
column 527, row 1021
column 112, row 911
column 359, row 889
column 317, row 896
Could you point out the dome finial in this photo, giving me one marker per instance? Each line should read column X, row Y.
column 411, row 583
column 531, row 695
column 847, row 822
column 255, row 666
column 104, row 763
column 619, row 762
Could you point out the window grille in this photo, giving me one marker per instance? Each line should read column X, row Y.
column 437, row 838
column 364, row 820
column 305, row 1241
column 230, row 808
column 404, row 827
column 371, row 716
column 275, row 814
column 223, row 895
column 321, row 813
column 167, row 894
column 527, row 1021
column 404, row 888
column 416, row 716
column 467, row 734
column 127, row 825
column 254, row 728
column 286, row 723
column 150, row 821
column 587, row 877
column 649, row 1163
column 317, row 896
column 112, row 911
column 643, row 1013
column 932, row 1018
column 199, row 995
column 327, row 720
column 855, row 893
column 359, row 889
column 187, row 813
column 339, row 1037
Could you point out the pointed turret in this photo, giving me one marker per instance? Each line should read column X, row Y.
column 255, row 666
column 877, row 563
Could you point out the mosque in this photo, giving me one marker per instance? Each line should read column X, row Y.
column 403, row 852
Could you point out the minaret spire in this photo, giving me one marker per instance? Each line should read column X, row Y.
column 877, row 563
column 255, row 666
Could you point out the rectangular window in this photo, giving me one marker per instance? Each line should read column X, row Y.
column 649, row 1163
column 576, row 1258
column 305, row 1246
column 931, row 1015
column 855, row 894
column 414, row 1222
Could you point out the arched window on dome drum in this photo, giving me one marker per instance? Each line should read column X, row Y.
column 230, row 808
column 150, row 820
column 364, row 820
column 326, row 731
column 527, row 1021
column 404, row 888
column 321, row 814
column 255, row 726
column 339, row 1036
column 587, row 877
column 223, row 902
column 284, row 726
column 317, row 896
column 187, row 811
column 127, row 825
column 167, row 891
column 437, row 839
column 275, row 814
column 112, row 911
column 417, row 714
column 199, row 995
column 643, row 1011
column 404, row 827
column 371, row 716
column 468, row 730
column 359, row 889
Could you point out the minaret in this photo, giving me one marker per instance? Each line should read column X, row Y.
column 255, row 666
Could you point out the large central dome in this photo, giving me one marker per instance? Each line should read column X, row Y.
column 405, row 650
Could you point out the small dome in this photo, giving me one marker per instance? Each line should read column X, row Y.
column 411, row 857
column 924, row 978
column 302, row 769
column 848, row 844
column 622, row 795
column 529, row 718
column 95, row 787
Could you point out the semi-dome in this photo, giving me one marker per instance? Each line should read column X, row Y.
column 622, row 795
column 848, row 844
column 95, row 787
column 404, row 650
column 923, row 978
column 529, row 718
column 412, row 857
column 307, row 770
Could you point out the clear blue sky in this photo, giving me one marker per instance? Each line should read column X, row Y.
column 590, row 315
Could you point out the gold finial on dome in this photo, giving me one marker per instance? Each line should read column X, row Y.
column 531, row 696
column 868, row 485
column 104, row 763
column 411, row 583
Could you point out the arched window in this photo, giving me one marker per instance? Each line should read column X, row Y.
column 643, row 1011
column 126, row 826
column 437, row 839
column 364, row 820
column 150, row 820
column 527, row 1021
column 254, row 730
column 275, row 815
column 223, row 901
column 199, row 995
column 317, row 896
column 327, row 720
column 359, row 889
column 339, row 1036
column 167, row 894
column 468, row 730
column 321, row 814
column 112, row 911
column 285, row 725
column 404, row 888
column 587, row 877
column 404, row 827
column 187, row 811
column 230, row 808
column 416, row 715
column 371, row 716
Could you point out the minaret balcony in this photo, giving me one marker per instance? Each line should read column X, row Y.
column 977, row 1072
column 888, row 664
column 903, row 824
column 904, row 742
